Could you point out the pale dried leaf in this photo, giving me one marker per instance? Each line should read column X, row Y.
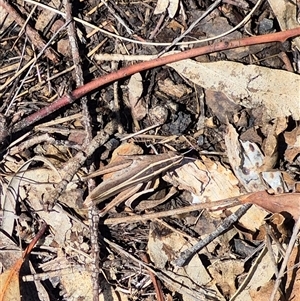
column 259, row 275
column 270, row 144
column 164, row 246
column 206, row 180
column 264, row 292
column 251, row 86
column 57, row 218
column 8, row 195
column 245, row 159
column 286, row 12
column 135, row 90
column 38, row 181
column 77, row 285
column 161, row 7
column 253, row 219
column 14, row 191
column 173, row 7
column 210, row 181
column 13, row 253
column 275, row 180
column 12, row 292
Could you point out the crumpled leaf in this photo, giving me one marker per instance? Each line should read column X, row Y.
column 206, row 180
column 292, row 140
column 245, row 159
column 276, row 91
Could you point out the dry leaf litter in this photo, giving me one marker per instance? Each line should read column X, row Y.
column 176, row 183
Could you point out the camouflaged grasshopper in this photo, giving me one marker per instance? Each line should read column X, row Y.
column 131, row 171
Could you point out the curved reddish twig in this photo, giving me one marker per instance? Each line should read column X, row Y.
column 129, row 70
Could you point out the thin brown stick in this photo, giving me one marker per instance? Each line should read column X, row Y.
column 218, row 205
column 86, row 121
column 33, row 35
column 156, row 283
column 273, row 203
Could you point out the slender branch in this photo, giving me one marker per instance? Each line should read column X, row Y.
column 33, row 35
column 127, row 71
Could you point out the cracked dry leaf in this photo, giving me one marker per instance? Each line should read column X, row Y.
column 260, row 274
column 206, row 180
column 275, row 91
column 164, row 246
